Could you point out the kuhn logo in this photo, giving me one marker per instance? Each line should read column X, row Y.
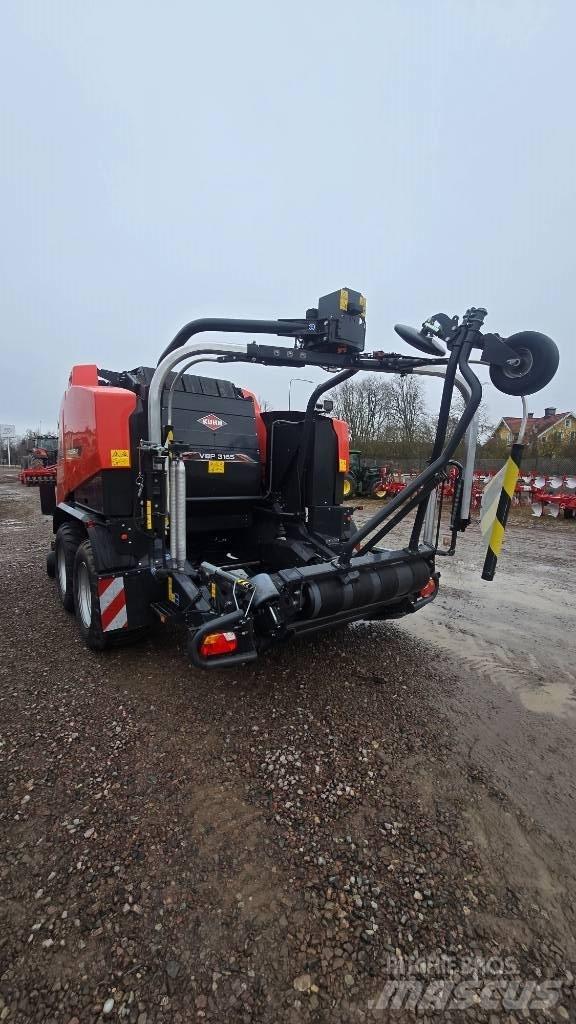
column 212, row 421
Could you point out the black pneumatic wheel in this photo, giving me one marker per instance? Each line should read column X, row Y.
column 68, row 537
column 51, row 565
column 537, row 363
column 86, row 601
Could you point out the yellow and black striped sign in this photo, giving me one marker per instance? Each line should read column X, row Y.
column 495, row 509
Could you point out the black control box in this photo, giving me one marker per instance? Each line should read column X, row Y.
column 338, row 324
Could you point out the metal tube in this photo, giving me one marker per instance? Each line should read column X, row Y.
column 172, row 507
column 471, row 441
column 178, row 376
column 429, row 526
column 180, row 509
column 173, row 356
column 164, row 368
column 441, row 425
column 223, row 325
column 469, row 461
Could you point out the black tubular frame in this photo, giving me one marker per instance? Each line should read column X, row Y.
column 416, row 493
column 441, row 454
column 288, row 328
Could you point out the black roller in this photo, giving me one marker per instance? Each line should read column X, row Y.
column 369, row 587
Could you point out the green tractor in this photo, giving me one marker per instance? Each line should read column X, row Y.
column 363, row 480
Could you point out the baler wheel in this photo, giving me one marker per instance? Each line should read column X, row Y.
column 68, row 537
column 537, row 362
column 86, row 601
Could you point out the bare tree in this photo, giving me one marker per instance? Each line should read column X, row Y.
column 365, row 405
column 485, row 423
column 407, row 407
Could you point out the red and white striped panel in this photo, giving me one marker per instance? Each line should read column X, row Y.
column 112, row 597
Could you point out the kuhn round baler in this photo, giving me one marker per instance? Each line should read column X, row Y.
column 178, row 499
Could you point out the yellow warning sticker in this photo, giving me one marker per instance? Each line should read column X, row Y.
column 342, row 465
column 216, row 466
column 120, row 457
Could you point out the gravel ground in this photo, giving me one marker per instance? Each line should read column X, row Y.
column 259, row 845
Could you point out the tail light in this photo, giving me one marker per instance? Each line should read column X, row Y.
column 218, row 643
column 429, row 588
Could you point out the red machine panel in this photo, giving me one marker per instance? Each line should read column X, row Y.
column 260, row 427
column 94, row 430
column 342, row 432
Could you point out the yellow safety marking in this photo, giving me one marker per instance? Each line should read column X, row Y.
column 213, row 591
column 216, row 465
column 171, row 590
column 148, row 515
column 363, row 304
column 497, row 537
column 169, row 436
column 510, row 478
column 344, row 299
column 342, row 465
column 120, row 457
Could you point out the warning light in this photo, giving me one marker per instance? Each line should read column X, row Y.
column 428, row 588
column 218, row 643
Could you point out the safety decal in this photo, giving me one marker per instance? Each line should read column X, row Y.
column 120, row 457
column 112, row 596
column 496, row 502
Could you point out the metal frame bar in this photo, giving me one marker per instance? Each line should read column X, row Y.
column 471, row 441
column 181, row 349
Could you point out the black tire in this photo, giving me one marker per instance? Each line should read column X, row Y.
column 88, row 618
column 538, row 357
column 86, row 601
column 68, row 537
column 51, row 565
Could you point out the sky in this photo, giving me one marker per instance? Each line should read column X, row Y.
column 162, row 162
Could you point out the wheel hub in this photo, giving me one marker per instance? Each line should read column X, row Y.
column 519, row 366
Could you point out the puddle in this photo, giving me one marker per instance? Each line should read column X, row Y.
column 519, row 632
column 554, row 699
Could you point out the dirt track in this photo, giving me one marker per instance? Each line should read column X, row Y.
column 262, row 845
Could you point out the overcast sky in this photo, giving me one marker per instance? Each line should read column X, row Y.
column 164, row 161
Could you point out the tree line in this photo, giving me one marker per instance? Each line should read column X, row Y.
column 388, row 417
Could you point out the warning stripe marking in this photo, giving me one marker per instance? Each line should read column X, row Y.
column 496, row 540
column 112, row 595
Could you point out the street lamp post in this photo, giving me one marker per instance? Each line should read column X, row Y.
column 304, row 380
